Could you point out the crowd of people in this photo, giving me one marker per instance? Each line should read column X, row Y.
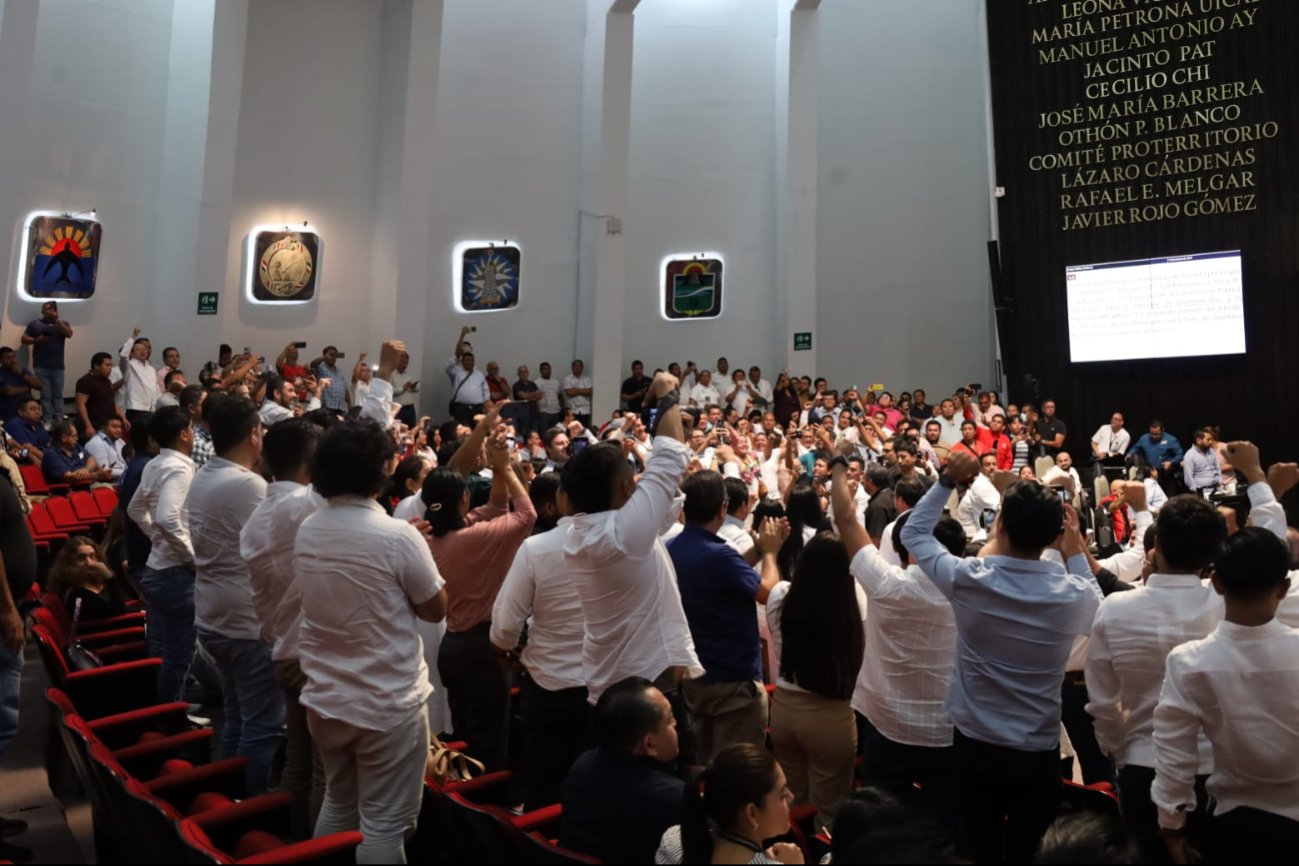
column 943, row 596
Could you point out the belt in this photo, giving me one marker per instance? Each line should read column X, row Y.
column 1074, row 678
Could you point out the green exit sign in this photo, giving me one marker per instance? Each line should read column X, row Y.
column 207, row 303
column 802, row 341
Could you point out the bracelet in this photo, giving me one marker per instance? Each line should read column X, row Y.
column 839, row 460
column 666, row 402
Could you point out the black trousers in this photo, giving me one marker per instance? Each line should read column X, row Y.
column 1142, row 816
column 478, row 690
column 406, row 415
column 1008, row 798
column 1251, row 835
column 899, row 768
column 137, row 416
column 687, row 737
column 556, row 729
column 1095, row 765
column 464, row 412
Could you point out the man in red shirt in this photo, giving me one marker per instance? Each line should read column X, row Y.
column 969, row 443
column 997, row 441
column 498, row 387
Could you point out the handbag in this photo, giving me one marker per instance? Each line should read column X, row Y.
column 446, row 765
column 79, row 657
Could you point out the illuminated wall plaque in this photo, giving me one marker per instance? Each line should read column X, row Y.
column 488, row 276
column 692, row 287
column 283, row 265
column 60, row 257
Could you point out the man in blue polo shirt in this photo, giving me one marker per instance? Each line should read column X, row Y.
column 718, row 589
column 26, row 429
column 1161, row 451
column 67, row 462
column 16, row 384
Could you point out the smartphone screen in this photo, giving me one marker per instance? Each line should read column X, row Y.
column 579, row 444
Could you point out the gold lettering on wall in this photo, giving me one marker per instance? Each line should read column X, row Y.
column 1156, row 135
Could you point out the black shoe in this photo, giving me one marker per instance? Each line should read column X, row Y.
column 11, row 827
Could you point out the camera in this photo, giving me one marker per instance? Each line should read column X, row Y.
column 300, row 344
column 473, row 329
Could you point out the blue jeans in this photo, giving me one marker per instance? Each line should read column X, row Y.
column 254, row 704
column 11, row 684
column 51, row 391
column 169, row 599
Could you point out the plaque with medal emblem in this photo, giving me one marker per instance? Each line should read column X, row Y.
column 489, row 278
column 285, row 266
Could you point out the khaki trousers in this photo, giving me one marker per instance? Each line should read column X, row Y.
column 726, row 713
column 303, row 775
column 815, row 739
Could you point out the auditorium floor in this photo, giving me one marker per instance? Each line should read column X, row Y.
column 56, row 834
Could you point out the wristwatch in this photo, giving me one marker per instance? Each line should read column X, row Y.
column 666, row 402
column 947, row 481
column 839, row 460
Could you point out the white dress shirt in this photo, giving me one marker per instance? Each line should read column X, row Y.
column 222, row 497
column 549, row 402
column 405, row 398
column 359, row 390
column 159, row 508
column 705, row 395
column 950, row 431
column 538, row 591
column 982, row 496
column 910, row 651
column 141, row 381
column 1110, row 443
column 775, row 606
column 360, row 571
column 1267, row 513
column 1127, row 564
column 265, row 548
column 1238, row 687
column 467, row 387
column 107, row 452
column 736, row 534
column 886, row 548
column 1130, row 642
column 410, row 508
column 764, row 391
column 635, row 624
column 580, row 404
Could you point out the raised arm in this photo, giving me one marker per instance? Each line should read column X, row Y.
column 1265, row 489
column 638, row 523
column 771, row 537
column 936, row 561
column 466, row 456
column 851, row 532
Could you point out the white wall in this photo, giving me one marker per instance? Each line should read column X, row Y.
column 505, row 162
column 903, row 292
column 401, row 127
column 92, row 137
column 307, row 144
column 703, row 175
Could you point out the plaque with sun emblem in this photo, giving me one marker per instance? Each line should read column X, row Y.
column 692, row 288
column 286, row 266
column 490, row 278
column 62, row 257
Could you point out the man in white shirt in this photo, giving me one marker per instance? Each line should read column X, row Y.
column 556, row 714
column 170, row 362
column 981, row 500
column 173, row 383
column 949, row 424
column 741, row 393
column 1130, row 642
column 159, row 509
column 577, row 393
column 1110, row 443
column 365, row 578
column 548, row 407
column 287, row 452
column 221, row 499
column 468, row 386
column 558, row 449
column 635, row 623
column 106, row 447
column 703, row 393
column 1236, row 687
column 763, row 395
column 405, row 389
column 910, row 651
column 141, row 378
column 282, row 401
column 735, row 530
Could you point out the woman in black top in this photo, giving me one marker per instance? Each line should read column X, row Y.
column 80, row 574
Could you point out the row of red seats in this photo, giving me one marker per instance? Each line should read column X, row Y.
column 57, row 518
column 156, row 794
